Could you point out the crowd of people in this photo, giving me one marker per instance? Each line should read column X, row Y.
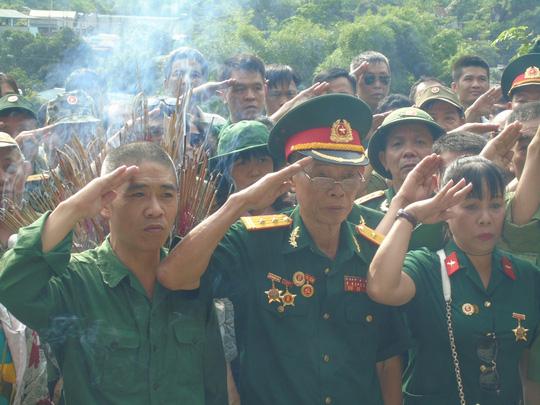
column 363, row 246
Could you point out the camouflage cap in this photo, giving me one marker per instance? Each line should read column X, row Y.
column 407, row 115
column 440, row 93
column 74, row 107
column 16, row 102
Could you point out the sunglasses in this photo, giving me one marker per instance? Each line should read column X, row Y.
column 487, row 351
column 369, row 79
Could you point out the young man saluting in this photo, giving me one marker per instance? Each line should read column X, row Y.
column 125, row 338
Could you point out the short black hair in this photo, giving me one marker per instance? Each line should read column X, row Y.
column 525, row 112
column 10, row 81
column 135, row 154
column 185, row 52
column 461, row 142
column 468, row 61
column 392, row 102
column 335, row 73
column 281, row 74
column 370, row 57
column 478, row 171
column 243, row 61
column 421, row 79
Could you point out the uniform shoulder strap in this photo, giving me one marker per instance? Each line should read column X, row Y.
column 261, row 222
column 369, row 197
column 369, row 233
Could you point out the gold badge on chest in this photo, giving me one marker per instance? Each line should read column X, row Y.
column 519, row 331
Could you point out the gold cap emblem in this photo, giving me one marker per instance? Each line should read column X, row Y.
column 435, row 90
column 13, row 99
column 341, row 132
column 532, row 72
column 72, row 100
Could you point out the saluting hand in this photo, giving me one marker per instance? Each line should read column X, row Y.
column 499, row 148
column 421, row 181
column 485, row 105
column 438, row 207
column 93, row 197
column 266, row 190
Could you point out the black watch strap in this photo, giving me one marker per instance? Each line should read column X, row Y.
column 408, row 216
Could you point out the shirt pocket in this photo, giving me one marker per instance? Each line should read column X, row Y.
column 361, row 322
column 188, row 361
column 118, row 361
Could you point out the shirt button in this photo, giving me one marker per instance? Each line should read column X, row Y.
column 326, row 316
column 487, row 304
column 369, row 318
column 326, row 358
column 327, row 270
column 328, row 400
column 155, row 386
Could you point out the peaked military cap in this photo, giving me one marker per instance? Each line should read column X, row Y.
column 521, row 72
column 407, row 115
column 331, row 128
column 74, row 107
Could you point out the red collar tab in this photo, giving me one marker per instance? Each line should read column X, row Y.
column 508, row 268
column 452, row 263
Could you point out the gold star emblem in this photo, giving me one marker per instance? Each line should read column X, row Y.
column 274, row 295
column 521, row 333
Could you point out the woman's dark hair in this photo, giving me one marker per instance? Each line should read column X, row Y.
column 10, row 81
column 478, row 171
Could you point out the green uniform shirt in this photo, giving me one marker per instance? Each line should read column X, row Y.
column 324, row 348
column 430, row 376
column 430, row 236
column 113, row 344
column 522, row 240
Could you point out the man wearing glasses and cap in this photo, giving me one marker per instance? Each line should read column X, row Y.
column 307, row 333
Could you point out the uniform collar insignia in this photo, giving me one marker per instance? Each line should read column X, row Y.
column 508, row 269
column 293, row 237
column 452, row 263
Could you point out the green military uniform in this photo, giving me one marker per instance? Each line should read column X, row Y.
column 521, row 240
column 307, row 333
column 318, row 349
column 430, row 236
column 511, row 302
column 113, row 344
column 375, row 183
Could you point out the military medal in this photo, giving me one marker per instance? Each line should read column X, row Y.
column 520, row 332
column 469, row 309
column 299, row 279
column 273, row 294
column 287, row 298
column 307, row 289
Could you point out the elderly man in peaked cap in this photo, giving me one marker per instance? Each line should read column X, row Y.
column 307, row 332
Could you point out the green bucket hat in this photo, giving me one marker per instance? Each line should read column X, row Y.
column 74, row 107
column 521, row 72
column 240, row 137
column 440, row 93
column 331, row 128
column 16, row 102
column 407, row 115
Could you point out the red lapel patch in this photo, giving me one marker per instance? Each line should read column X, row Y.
column 452, row 263
column 508, row 268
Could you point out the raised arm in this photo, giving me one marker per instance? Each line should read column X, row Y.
column 387, row 283
column 184, row 266
column 527, row 198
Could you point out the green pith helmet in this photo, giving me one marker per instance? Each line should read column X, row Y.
column 75, row 107
column 521, row 72
column 439, row 93
column 331, row 128
column 16, row 102
column 407, row 115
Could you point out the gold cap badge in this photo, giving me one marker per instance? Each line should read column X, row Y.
column 341, row 132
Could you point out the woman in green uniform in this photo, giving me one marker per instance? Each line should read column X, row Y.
column 473, row 310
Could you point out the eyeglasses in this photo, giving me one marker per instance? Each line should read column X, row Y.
column 487, row 351
column 327, row 183
column 369, row 79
